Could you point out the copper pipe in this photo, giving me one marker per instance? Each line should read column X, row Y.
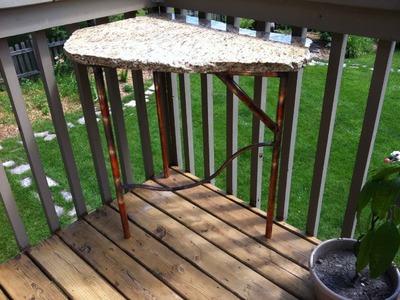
column 163, row 136
column 273, row 179
column 200, row 182
column 242, row 95
column 275, row 127
column 101, row 90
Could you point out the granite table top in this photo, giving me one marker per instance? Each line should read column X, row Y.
column 158, row 44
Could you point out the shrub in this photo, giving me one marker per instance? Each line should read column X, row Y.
column 128, row 88
column 247, row 23
column 123, row 75
column 56, row 32
column 62, row 65
column 357, row 46
column 325, row 37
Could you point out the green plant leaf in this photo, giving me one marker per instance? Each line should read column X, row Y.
column 384, row 243
column 385, row 196
column 363, row 251
column 365, row 196
column 386, row 172
column 396, row 215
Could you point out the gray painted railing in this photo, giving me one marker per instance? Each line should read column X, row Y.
column 341, row 17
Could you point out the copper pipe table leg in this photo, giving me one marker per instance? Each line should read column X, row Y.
column 275, row 127
column 163, row 136
column 275, row 157
column 101, row 90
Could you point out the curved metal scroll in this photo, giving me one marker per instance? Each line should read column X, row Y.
column 205, row 180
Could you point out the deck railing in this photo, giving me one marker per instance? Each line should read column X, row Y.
column 363, row 18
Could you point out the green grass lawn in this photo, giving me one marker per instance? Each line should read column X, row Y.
column 352, row 99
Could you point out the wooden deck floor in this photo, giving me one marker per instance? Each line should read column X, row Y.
column 195, row 244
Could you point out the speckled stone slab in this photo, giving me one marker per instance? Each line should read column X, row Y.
column 153, row 43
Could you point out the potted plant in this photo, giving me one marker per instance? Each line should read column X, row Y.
column 363, row 268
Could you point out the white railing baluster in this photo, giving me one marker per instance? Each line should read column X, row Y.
column 121, row 137
column 208, row 124
column 85, row 96
column 289, row 135
column 257, row 154
column 10, row 207
column 46, row 68
column 175, row 152
column 331, row 97
column 187, row 122
column 232, row 112
column 143, row 122
column 21, row 115
column 232, row 116
column 383, row 62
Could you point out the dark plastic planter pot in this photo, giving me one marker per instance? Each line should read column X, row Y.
column 324, row 293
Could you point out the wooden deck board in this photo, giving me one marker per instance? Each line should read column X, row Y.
column 74, row 277
column 244, row 248
column 282, row 241
column 230, row 272
column 193, row 244
column 22, row 279
column 124, row 273
column 162, row 261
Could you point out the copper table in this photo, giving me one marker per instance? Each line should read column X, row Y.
column 162, row 45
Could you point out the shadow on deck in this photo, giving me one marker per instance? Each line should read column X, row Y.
column 193, row 244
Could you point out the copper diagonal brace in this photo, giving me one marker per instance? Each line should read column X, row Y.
column 242, row 95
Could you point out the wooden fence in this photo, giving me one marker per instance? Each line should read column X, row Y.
column 24, row 59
